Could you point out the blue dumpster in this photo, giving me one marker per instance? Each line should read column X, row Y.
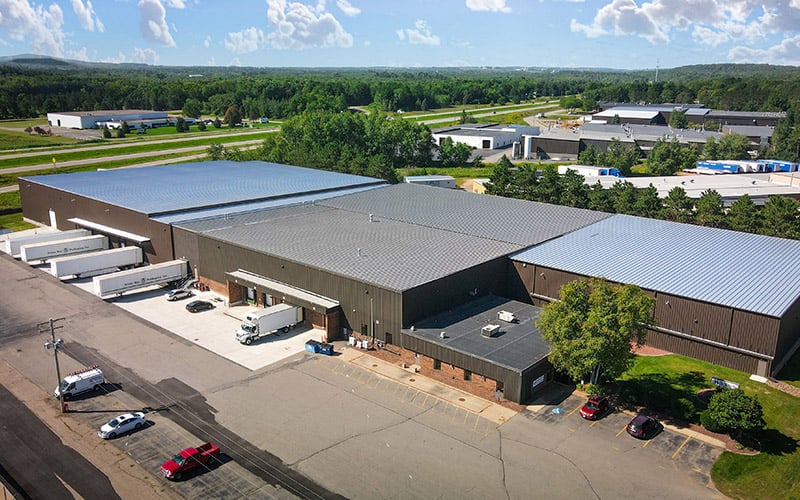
column 326, row 349
column 312, row 346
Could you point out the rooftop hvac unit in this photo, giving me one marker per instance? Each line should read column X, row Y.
column 506, row 316
column 489, row 331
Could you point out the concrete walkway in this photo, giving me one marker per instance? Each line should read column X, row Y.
column 491, row 411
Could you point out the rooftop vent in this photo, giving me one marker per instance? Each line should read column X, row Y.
column 489, row 331
column 506, row 316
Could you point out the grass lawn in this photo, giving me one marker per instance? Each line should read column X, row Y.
column 660, row 381
column 22, row 140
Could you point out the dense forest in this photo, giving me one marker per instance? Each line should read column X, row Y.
column 33, row 87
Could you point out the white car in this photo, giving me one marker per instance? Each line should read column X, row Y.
column 178, row 293
column 122, row 424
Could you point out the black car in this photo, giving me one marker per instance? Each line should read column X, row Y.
column 643, row 427
column 199, row 305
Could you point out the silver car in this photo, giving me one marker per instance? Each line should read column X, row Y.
column 120, row 425
column 179, row 293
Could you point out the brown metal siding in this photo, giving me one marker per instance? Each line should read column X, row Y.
column 38, row 200
column 694, row 318
column 356, row 298
column 187, row 246
column 788, row 334
column 548, row 282
column 754, row 332
column 451, row 291
column 556, row 146
column 705, row 352
column 520, row 275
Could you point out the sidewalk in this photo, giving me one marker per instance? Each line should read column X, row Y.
column 493, row 412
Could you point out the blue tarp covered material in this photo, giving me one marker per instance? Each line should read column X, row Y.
column 312, row 346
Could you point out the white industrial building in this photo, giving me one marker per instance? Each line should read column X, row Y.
column 483, row 136
column 92, row 119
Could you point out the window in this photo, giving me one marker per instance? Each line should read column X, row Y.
column 437, row 364
column 467, row 375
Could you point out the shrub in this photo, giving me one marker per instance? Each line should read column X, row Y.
column 707, row 421
column 685, row 409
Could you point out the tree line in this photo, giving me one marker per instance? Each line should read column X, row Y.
column 777, row 217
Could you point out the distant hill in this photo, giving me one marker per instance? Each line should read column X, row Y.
column 682, row 73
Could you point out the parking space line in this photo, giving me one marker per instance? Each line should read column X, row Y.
column 621, row 431
column 647, row 442
column 681, row 447
column 593, row 423
column 576, row 409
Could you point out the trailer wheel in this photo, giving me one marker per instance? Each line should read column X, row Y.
column 248, row 341
column 96, row 388
column 285, row 329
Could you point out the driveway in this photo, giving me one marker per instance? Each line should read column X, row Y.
column 334, row 426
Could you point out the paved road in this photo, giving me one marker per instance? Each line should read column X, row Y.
column 348, row 430
column 39, row 462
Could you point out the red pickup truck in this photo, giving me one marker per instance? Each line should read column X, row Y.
column 189, row 459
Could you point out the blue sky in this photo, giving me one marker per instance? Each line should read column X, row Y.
column 623, row 34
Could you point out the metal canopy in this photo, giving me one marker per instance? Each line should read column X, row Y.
column 247, row 278
column 109, row 230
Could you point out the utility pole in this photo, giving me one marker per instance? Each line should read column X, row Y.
column 55, row 345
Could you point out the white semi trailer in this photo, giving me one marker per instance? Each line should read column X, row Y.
column 140, row 277
column 14, row 242
column 94, row 263
column 60, row 248
column 265, row 321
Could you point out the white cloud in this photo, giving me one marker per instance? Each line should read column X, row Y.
column 153, row 23
column 711, row 22
column 41, row 27
column 118, row 59
column 175, row 4
column 207, row 42
column 347, row 8
column 786, row 52
column 299, row 26
column 146, row 56
column 78, row 55
column 245, row 41
column 235, row 62
column 87, row 16
column 488, row 5
column 419, row 35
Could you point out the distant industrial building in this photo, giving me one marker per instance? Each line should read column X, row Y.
column 444, row 181
column 92, row 119
column 456, row 278
column 483, row 136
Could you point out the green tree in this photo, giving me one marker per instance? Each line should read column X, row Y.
column 216, row 152
column 192, row 108
column 678, row 206
column 743, row 215
column 666, row 157
column 678, row 119
column 647, row 203
column 501, row 182
column 453, row 154
column 623, row 196
column 574, row 192
column 592, row 326
column 180, row 125
column 734, row 411
column 600, row 198
column 709, row 209
column 735, row 147
column 232, row 116
column 711, row 149
column 549, row 189
column 106, row 133
column 125, row 128
column 779, row 217
column 620, row 156
column 588, row 156
column 217, row 123
column 120, row 133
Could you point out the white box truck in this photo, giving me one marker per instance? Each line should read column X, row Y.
column 88, row 379
column 14, row 242
column 60, row 248
column 140, row 277
column 94, row 263
column 265, row 321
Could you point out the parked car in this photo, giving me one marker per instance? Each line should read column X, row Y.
column 189, row 459
column 199, row 305
column 643, row 427
column 122, row 424
column 595, row 407
column 179, row 293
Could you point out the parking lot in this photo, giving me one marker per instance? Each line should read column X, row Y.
column 355, row 432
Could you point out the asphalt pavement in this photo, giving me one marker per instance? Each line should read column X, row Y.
column 340, row 427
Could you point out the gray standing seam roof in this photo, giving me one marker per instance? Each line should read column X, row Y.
column 733, row 269
column 189, row 186
column 388, row 253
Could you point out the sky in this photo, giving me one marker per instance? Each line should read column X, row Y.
column 619, row 34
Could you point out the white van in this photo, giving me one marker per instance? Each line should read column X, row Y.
column 88, row 379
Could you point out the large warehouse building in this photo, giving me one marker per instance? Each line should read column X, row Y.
column 455, row 277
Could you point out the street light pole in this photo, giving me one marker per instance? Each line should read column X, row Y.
column 54, row 344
